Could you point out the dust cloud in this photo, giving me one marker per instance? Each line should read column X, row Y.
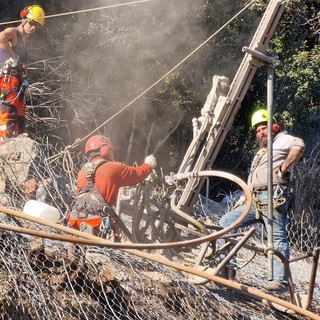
column 113, row 55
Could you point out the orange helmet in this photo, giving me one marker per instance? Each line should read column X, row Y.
column 99, row 143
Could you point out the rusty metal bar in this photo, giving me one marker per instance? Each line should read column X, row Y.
column 313, row 277
column 234, row 250
column 239, row 287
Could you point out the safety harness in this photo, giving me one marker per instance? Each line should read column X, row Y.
column 91, row 204
column 279, row 191
column 279, row 198
column 89, row 200
column 12, row 88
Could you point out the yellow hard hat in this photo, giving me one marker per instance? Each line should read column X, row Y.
column 34, row 13
column 259, row 116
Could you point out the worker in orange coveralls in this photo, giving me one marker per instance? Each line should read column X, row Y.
column 99, row 181
column 13, row 56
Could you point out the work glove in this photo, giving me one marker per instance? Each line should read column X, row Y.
column 13, row 62
column 241, row 201
column 151, row 160
column 169, row 180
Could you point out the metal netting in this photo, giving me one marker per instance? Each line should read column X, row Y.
column 25, row 163
column 40, row 279
column 44, row 279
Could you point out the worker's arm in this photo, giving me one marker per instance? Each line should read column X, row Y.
column 8, row 38
column 292, row 157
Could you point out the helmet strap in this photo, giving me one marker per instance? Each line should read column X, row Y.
column 94, row 154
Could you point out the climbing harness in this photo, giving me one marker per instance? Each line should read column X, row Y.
column 105, row 228
column 257, row 159
column 12, row 88
column 279, row 199
column 89, row 200
column 91, row 208
column 258, row 205
column 89, row 204
column 278, row 196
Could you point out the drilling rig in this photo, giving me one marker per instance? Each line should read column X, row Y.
column 209, row 133
column 176, row 209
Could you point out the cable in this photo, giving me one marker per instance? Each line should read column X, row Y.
column 82, row 11
column 160, row 79
column 170, row 71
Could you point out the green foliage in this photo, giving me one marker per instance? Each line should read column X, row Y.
column 297, row 87
column 99, row 61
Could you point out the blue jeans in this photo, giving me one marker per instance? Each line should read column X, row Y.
column 280, row 241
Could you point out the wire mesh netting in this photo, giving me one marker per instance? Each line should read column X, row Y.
column 46, row 278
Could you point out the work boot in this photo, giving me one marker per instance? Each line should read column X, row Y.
column 276, row 285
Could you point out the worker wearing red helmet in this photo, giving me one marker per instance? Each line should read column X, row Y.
column 110, row 176
column 13, row 56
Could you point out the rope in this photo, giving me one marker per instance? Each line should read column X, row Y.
column 82, row 11
column 160, row 79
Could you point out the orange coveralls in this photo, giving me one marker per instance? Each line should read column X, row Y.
column 11, row 109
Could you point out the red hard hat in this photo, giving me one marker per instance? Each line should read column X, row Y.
column 96, row 142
